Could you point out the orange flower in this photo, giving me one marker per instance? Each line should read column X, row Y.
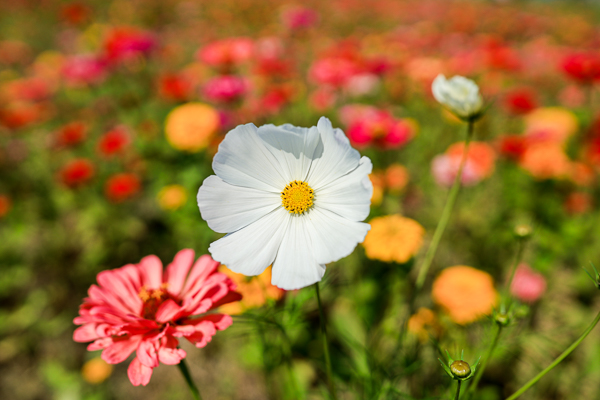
column 393, row 238
column 546, row 161
column 423, row 323
column 96, row 371
column 378, row 186
column 191, row 127
column 396, row 177
column 552, row 124
column 481, row 156
column 172, row 197
column 5, row 205
column 465, row 293
column 254, row 290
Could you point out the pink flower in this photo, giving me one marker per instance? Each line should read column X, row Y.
column 226, row 52
column 225, row 88
column 378, row 127
column 127, row 42
column 83, row 69
column 296, row 18
column 527, row 285
column 478, row 166
column 143, row 309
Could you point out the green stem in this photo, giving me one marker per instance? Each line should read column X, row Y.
column 457, row 391
column 188, row 379
column 557, row 361
column 439, row 230
column 484, row 364
column 325, row 346
column 513, row 270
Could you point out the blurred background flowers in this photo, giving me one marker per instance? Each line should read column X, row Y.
column 111, row 112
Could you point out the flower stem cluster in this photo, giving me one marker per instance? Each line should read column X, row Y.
column 596, row 277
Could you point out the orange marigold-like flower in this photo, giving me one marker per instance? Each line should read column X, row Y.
column 424, row 323
column 465, row 293
column 172, row 197
column 393, row 238
column 255, row 291
column 191, row 127
column 546, row 161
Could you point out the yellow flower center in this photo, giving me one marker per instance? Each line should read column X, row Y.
column 297, row 197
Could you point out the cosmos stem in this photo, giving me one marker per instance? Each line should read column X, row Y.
column 330, row 381
column 439, row 230
column 484, row 363
column 457, row 391
column 568, row 351
column 188, row 379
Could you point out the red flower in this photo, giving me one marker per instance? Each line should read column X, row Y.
column 378, row 127
column 127, row 42
column 121, row 187
column 5, row 205
column 513, row 146
column 225, row 88
column 227, row 52
column 582, row 67
column 75, row 13
column 143, row 309
column 520, row 101
column 77, row 172
column 71, row 134
column 83, row 69
column 113, row 142
column 174, row 87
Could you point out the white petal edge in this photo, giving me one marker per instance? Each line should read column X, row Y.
column 338, row 157
column 349, row 195
column 252, row 249
column 228, row 208
column 244, row 160
column 333, row 236
column 295, row 266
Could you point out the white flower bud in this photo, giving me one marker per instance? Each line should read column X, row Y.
column 459, row 94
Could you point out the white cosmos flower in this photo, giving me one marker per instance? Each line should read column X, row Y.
column 288, row 196
column 459, row 94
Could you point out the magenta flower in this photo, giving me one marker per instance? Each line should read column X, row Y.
column 143, row 309
column 225, row 88
column 84, row 69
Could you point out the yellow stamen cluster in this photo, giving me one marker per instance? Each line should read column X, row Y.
column 297, row 197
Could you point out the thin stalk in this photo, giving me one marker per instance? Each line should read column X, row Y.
column 513, row 270
column 457, row 391
column 439, row 230
column 188, row 379
column 484, row 363
column 557, row 361
column 330, row 382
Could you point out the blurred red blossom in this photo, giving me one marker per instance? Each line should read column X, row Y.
column 583, row 67
column 141, row 308
column 175, row 87
column 71, row 134
column 114, row 141
column 298, row 17
column 520, row 101
column 527, row 285
column 371, row 126
column 77, row 172
column 5, row 205
column 225, row 88
column 227, row 52
column 121, row 187
column 75, row 13
column 124, row 42
column 83, row 69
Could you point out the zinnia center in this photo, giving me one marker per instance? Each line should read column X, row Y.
column 152, row 299
column 297, row 197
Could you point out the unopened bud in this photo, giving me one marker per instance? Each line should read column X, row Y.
column 522, row 231
column 460, row 369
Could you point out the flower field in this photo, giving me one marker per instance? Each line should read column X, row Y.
column 243, row 199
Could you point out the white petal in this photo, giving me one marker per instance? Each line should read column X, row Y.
column 253, row 248
column 227, row 208
column 350, row 195
column 295, row 266
column 244, row 160
column 337, row 159
column 333, row 236
column 293, row 147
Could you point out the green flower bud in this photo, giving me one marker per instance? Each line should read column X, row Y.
column 460, row 369
column 523, row 231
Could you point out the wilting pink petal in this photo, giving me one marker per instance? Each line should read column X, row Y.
column 138, row 373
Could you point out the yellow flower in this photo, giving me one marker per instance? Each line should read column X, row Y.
column 172, row 197
column 393, row 238
column 465, row 293
column 254, row 290
column 191, row 127
column 96, row 371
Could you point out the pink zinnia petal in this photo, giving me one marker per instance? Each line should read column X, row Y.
column 204, row 267
column 151, row 271
column 120, row 349
column 85, row 333
column 167, row 311
column 146, row 353
column 138, row 373
column 178, row 270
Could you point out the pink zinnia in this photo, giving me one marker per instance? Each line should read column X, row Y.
column 143, row 309
column 527, row 285
column 225, row 88
column 226, row 52
column 83, row 69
